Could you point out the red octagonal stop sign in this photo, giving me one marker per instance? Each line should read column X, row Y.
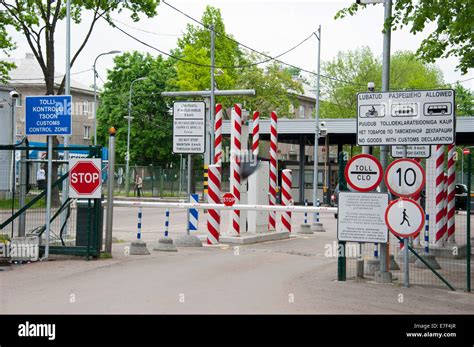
column 85, row 178
column 228, row 199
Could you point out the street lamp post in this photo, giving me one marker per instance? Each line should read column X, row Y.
column 95, row 92
column 127, row 156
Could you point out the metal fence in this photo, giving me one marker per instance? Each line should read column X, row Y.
column 160, row 182
column 454, row 258
column 71, row 222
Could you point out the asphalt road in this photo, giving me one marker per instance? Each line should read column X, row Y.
column 289, row 276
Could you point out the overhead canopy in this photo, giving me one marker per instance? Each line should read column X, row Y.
column 340, row 130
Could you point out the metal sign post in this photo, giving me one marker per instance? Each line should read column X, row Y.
column 48, row 115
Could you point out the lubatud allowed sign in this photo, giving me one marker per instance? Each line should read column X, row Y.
column 415, row 117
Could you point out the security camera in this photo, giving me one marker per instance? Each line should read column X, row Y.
column 14, row 94
column 323, row 132
column 323, row 124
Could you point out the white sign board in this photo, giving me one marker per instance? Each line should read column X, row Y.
column 406, row 118
column 405, row 178
column 412, row 151
column 361, row 217
column 404, row 217
column 189, row 127
column 363, row 173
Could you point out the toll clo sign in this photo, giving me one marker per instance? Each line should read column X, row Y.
column 404, row 217
column 228, row 199
column 363, row 172
column 85, row 179
column 405, row 178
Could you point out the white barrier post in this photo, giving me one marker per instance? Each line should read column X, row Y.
column 138, row 247
column 451, row 194
column 273, row 168
column 235, row 147
column 214, row 197
column 286, row 198
column 165, row 244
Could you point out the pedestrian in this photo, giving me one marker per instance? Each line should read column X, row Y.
column 138, row 185
column 41, row 178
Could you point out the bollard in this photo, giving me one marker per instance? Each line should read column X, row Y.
column 139, row 247
column 317, row 225
column 193, row 214
column 165, row 244
column 305, row 228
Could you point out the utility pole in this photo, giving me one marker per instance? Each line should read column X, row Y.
column 212, row 107
column 316, row 129
column 384, row 275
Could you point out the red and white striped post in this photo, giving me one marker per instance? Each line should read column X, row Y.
column 235, row 138
column 273, row 168
column 445, row 208
column 286, row 198
column 214, row 197
column 440, row 226
column 255, row 133
column 451, row 194
column 218, row 135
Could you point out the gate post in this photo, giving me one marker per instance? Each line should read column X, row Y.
column 110, row 192
column 468, row 224
column 341, row 256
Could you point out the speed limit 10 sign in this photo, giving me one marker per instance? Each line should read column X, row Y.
column 405, row 178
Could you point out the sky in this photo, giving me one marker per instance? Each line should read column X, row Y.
column 271, row 26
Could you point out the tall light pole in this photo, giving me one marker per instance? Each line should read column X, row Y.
column 316, row 130
column 127, row 156
column 95, row 92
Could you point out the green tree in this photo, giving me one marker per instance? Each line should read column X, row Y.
column 37, row 21
column 275, row 89
column 452, row 22
column 354, row 69
column 151, row 126
column 195, row 46
column 464, row 100
column 6, row 45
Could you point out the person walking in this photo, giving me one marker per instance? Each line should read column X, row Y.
column 138, row 185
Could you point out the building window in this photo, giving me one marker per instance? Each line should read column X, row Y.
column 87, row 132
column 86, row 107
column 292, row 109
column 301, row 111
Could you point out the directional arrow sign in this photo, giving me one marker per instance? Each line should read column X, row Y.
column 405, row 178
column 363, row 173
column 404, row 217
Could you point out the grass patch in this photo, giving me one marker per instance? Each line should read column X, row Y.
column 7, row 203
column 105, row 255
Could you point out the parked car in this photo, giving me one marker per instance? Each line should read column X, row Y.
column 460, row 197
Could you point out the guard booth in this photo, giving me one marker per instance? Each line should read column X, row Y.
column 76, row 224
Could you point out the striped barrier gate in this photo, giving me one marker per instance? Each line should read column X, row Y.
column 286, row 198
column 439, row 220
column 214, row 197
column 218, row 135
column 273, row 168
column 235, row 138
column 451, row 194
column 255, row 133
